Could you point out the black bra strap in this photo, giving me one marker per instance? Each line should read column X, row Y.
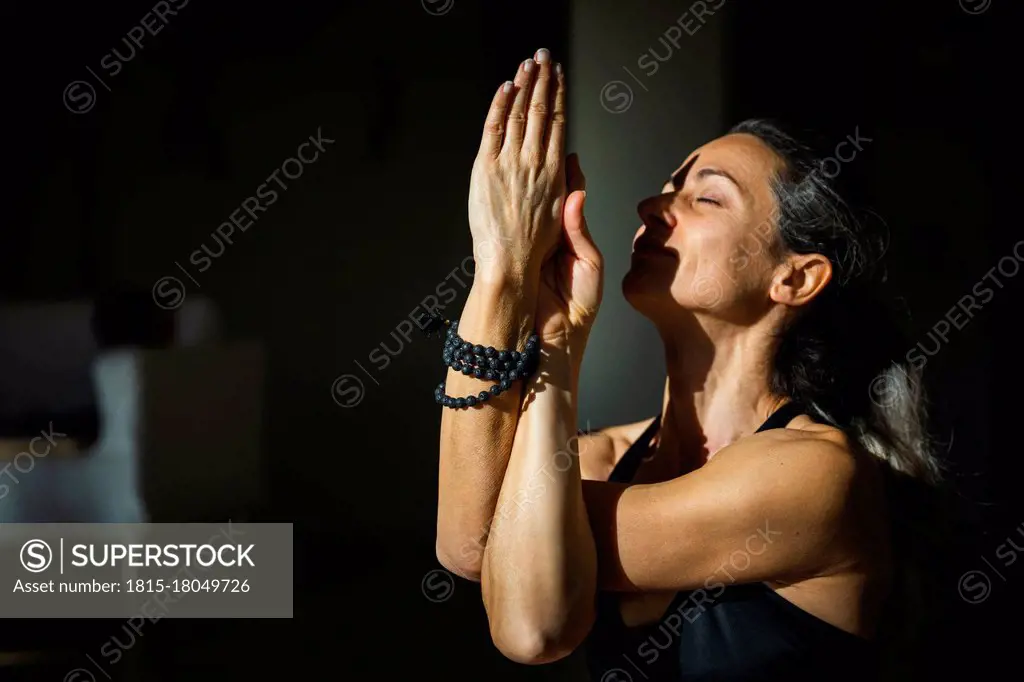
column 626, row 467
column 782, row 416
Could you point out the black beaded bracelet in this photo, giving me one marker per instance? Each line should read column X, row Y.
column 481, row 362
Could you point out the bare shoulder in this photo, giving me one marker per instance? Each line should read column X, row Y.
column 802, row 459
column 817, row 485
column 806, row 467
column 601, row 449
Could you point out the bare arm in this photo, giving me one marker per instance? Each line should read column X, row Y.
column 540, row 565
column 475, row 443
column 515, row 207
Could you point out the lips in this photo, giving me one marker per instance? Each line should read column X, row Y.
column 647, row 244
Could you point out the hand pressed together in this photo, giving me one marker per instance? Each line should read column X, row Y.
column 526, row 206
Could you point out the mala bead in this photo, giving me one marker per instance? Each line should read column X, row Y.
column 484, row 362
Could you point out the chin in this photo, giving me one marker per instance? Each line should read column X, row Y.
column 646, row 288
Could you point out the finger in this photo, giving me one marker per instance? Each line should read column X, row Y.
column 575, row 179
column 539, row 111
column 556, row 139
column 515, row 126
column 577, row 233
column 494, row 125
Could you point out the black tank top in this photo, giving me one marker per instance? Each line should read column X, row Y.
column 727, row 632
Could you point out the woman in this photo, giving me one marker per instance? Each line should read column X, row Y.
column 743, row 533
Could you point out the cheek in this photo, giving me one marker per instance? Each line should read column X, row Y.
column 717, row 268
column 704, row 251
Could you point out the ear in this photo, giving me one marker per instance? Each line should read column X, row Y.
column 802, row 277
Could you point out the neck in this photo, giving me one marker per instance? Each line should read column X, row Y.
column 718, row 386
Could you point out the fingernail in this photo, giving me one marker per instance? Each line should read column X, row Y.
column 543, row 55
column 507, row 87
column 558, row 68
column 528, row 65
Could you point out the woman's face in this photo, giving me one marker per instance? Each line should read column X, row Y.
column 706, row 241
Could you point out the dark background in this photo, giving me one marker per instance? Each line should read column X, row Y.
column 212, row 104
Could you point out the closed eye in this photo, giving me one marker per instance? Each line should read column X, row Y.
column 709, row 200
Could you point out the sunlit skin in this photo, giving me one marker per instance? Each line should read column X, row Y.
column 705, row 270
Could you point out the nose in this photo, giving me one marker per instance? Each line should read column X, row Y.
column 656, row 211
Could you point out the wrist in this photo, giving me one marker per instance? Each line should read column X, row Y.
column 557, row 367
column 567, row 350
column 507, row 278
column 498, row 314
column 506, row 291
column 506, row 268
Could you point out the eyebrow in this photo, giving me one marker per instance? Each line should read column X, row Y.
column 708, row 171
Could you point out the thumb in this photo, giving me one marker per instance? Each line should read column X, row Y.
column 581, row 243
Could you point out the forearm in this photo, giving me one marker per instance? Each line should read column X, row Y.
column 476, row 442
column 539, row 574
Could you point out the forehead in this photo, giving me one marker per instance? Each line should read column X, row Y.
column 743, row 156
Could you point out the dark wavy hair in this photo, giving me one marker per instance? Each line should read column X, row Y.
column 844, row 358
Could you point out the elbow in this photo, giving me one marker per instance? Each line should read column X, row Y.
column 466, row 562
column 529, row 644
